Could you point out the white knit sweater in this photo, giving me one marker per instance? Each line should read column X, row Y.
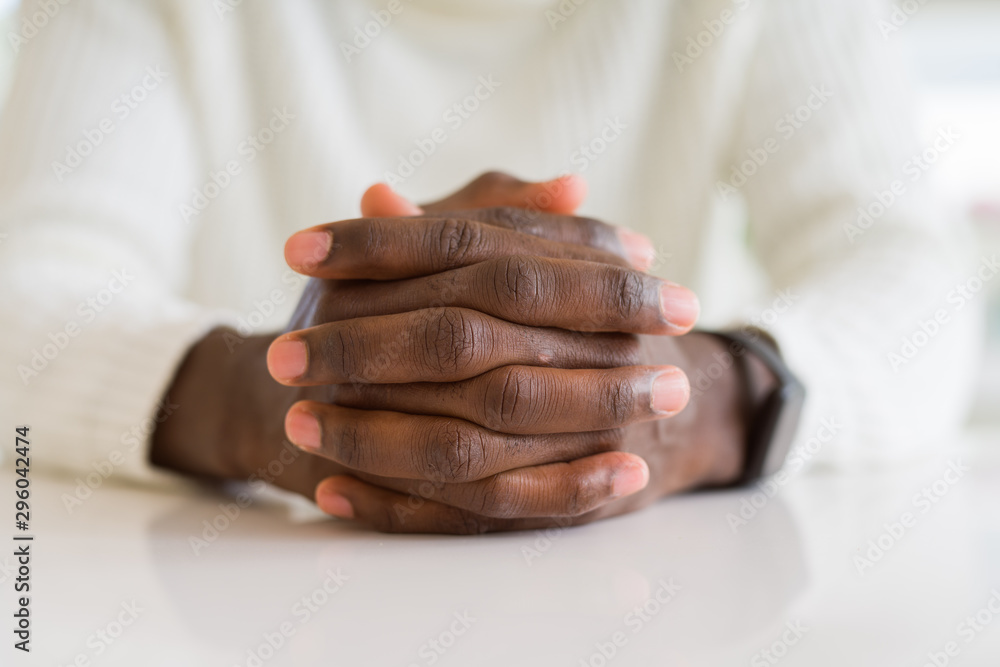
column 155, row 155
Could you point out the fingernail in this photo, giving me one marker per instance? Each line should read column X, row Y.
column 307, row 250
column 629, row 479
column 679, row 306
column 302, row 428
column 639, row 249
column 287, row 359
column 334, row 504
column 670, row 392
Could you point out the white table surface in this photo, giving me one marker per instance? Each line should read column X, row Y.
column 793, row 563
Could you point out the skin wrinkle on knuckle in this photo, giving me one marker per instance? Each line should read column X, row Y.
column 454, row 241
column 497, row 497
column 498, row 506
column 451, row 340
column 518, row 284
column 625, row 292
column 510, row 395
column 582, row 494
column 374, row 248
column 572, row 500
column 342, row 353
column 618, row 400
column 349, row 446
column 445, row 289
column 458, row 452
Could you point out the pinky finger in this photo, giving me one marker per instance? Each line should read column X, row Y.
column 392, row 512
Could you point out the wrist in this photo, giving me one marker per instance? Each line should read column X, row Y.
column 728, row 385
column 228, row 404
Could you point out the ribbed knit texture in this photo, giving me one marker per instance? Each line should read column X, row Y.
column 560, row 85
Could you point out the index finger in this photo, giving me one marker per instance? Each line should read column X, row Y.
column 583, row 231
column 396, row 248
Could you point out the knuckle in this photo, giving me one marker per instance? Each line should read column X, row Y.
column 343, row 352
column 339, row 351
column 349, row 446
column 498, row 500
column 450, row 340
column 618, row 399
column 457, row 453
column 510, row 395
column 581, row 496
column 454, row 241
column 376, row 241
column 625, row 292
column 518, row 281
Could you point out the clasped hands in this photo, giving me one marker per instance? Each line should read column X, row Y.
column 488, row 363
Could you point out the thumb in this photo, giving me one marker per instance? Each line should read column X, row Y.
column 381, row 201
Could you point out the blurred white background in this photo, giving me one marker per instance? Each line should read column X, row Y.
column 952, row 49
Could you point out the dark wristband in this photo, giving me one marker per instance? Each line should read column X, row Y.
column 771, row 420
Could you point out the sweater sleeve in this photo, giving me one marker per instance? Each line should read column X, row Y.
column 867, row 271
column 97, row 153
